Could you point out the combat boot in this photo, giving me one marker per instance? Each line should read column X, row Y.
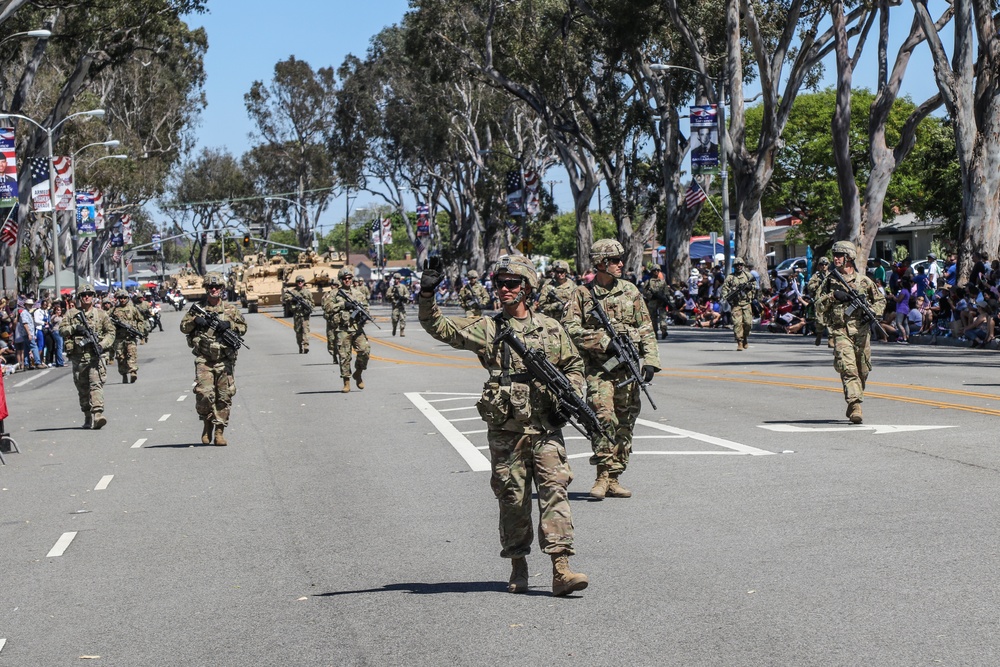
column 357, row 378
column 394, row 331
column 565, row 580
column 88, row 420
column 600, row 488
column 124, row 378
column 133, row 377
column 854, row 412
column 99, row 420
column 616, row 490
column 819, row 338
column 206, row 432
column 518, row 576
column 347, row 385
column 739, row 346
column 402, row 334
column 220, row 439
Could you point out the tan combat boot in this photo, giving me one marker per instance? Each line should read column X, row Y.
column 854, row 412
column 357, row 378
column 616, row 490
column 402, row 334
column 132, row 378
column 600, row 487
column 220, row 439
column 565, row 580
column 124, row 378
column 206, row 432
column 99, row 420
column 347, row 385
column 518, row 576
column 88, row 420
column 739, row 346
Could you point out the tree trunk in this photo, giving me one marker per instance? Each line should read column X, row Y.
column 849, row 225
column 584, row 229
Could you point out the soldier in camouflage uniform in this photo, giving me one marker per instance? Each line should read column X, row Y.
column 812, row 291
column 474, row 297
column 738, row 296
column 398, row 296
column 525, row 445
column 214, row 362
column 144, row 309
column 852, row 352
column 89, row 367
column 126, row 344
column 616, row 402
column 555, row 295
column 300, row 314
column 657, row 295
column 345, row 333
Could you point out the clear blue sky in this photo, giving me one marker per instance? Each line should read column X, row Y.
column 248, row 37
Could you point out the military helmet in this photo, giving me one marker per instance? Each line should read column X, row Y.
column 739, row 261
column 823, row 261
column 121, row 294
column 847, row 248
column 85, row 288
column 346, row 272
column 604, row 249
column 300, row 279
column 560, row 265
column 472, row 273
column 519, row 266
column 213, row 280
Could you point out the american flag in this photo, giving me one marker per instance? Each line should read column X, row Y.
column 418, row 245
column 65, row 193
column 98, row 210
column 694, row 195
column 386, row 235
column 423, row 210
column 117, row 255
column 515, row 198
column 41, row 195
column 8, row 232
column 83, row 246
column 514, row 229
column 531, row 183
column 127, row 228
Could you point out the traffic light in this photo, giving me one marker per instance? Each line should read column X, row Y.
column 246, row 240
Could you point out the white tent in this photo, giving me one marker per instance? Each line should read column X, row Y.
column 66, row 279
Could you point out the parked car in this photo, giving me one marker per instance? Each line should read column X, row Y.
column 790, row 264
column 925, row 262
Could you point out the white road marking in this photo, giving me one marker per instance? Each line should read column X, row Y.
column 709, row 439
column 465, row 449
column 467, row 407
column 447, row 393
column 466, row 419
column 32, row 378
column 164, row 418
column 181, row 397
column 877, row 429
column 698, row 453
column 61, row 544
column 103, row 484
column 483, row 430
column 457, row 398
column 138, row 443
column 634, row 437
column 3, row 642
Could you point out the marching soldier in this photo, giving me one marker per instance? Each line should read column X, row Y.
column 214, row 361
column 345, row 332
column 89, row 368
column 525, row 445
column 398, row 296
column 615, row 400
column 554, row 296
column 852, row 352
column 812, row 291
column 739, row 289
column 300, row 313
column 657, row 297
column 144, row 309
column 126, row 344
column 473, row 296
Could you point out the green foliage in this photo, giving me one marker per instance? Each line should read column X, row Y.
column 557, row 236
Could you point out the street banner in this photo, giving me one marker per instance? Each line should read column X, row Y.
column 531, row 183
column 86, row 225
column 98, row 209
column 156, row 242
column 127, row 228
column 515, row 195
column 8, row 232
column 41, row 193
column 704, row 140
column 423, row 220
column 8, row 168
column 65, row 195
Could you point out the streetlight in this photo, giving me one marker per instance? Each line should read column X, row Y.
column 40, row 34
column 110, row 143
column 723, row 153
column 93, row 113
column 120, row 156
column 303, row 211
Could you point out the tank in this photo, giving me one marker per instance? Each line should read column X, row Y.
column 189, row 283
column 320, row 272
column 264, row 283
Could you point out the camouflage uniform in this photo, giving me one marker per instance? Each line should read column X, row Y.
column 554, row 297
column 300, row 316
column 524, row 444
column 344, row 334
column 474, row 297
column 126, row 345
column 852, row 354
column 89, row 369
column 616, row 406
column 657, row 295
column 145, row 311
column 214, row 363
column 398, row 296
column 741, row 312
column 812, row 291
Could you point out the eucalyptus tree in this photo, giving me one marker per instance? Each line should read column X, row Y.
column 969, row 82
column 293, row 114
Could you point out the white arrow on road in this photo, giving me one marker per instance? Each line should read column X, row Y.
column 877, row 429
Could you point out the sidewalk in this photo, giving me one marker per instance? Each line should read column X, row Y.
column 927, row 339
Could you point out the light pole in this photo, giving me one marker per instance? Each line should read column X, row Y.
column 110, row 143
column 303, row 211
column 720, row 107
column 56, row 260
column 40, row 34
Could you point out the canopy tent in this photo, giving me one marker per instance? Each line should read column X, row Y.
column 701, row 248
column 128, row 283
column 66, row 279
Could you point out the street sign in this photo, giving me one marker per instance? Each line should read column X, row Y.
column 278, row 251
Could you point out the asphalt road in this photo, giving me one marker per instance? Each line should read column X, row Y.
column 360, row 529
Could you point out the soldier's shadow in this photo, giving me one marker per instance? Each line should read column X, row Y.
column 330, row 391
column 805, row 421
column 177, row 445
column 438, row 588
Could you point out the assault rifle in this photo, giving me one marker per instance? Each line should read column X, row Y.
column 229, row 338
column 89, row 335
column 744, row 289
column 131, row 331
column 621, row 348
column 300, row 302
column 569, row 405
column 856, row 303
column 358, row 311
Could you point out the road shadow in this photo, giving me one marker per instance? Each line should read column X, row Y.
column 439, row 588
column 812, row 422
column 61, row 428
column 178, row 445
column 328, row 391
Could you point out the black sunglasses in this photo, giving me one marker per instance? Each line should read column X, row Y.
column 509, row 283
column 615, row 260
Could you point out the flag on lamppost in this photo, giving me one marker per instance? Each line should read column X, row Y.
column 705, row 128
column 694, row 195
column 531, row 184
column 8, row 232
column 8, row 168
column 98, row 209
column 64, row 193
column 515, row 194
column 41, row 193
column 86, row 217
